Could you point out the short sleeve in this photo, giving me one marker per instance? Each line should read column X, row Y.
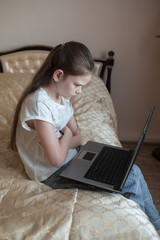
column 39, row 111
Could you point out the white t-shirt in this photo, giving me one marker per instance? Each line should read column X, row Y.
column 39, row 105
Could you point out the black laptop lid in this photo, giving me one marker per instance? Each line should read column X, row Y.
column 143, row 134
column 119, row 184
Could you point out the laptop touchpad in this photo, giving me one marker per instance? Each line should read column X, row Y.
column 89, row 156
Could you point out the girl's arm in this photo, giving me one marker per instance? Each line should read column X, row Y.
column 76, row 138
column 56, row 150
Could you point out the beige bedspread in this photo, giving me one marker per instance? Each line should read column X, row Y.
column 29, row 210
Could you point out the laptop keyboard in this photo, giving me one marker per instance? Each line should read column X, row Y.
column 107, row 165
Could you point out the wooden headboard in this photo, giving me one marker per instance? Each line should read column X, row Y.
column 29, row 59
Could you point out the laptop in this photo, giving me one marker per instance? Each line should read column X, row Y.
column 104, row 166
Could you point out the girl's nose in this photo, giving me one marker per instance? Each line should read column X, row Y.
column 79, row 89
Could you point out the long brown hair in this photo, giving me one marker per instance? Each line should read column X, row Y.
column 72, row 57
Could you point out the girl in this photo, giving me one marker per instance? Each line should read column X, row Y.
column 47, row 129
column 45, row 132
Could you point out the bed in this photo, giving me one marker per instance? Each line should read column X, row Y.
column 29, row 210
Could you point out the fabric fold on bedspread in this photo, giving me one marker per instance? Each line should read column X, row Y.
column 37, row 214
column 123, row 217
column 32, row 211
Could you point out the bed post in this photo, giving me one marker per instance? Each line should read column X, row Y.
column 109, row 64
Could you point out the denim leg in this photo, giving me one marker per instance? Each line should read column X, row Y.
column 138, row 188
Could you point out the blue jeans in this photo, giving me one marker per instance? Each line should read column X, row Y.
column 136, row 185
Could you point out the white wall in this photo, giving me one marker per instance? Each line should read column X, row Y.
column 126, row 26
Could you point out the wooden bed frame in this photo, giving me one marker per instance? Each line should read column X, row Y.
column 105, row 62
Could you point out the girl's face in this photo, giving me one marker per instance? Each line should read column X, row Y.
column 70, row 86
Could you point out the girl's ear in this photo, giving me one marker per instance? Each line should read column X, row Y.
column 58, row 75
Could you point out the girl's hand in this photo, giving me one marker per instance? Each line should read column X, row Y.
column 76, row 138
column 66, row 130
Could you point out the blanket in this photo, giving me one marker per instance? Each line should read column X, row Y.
column 29, row 210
